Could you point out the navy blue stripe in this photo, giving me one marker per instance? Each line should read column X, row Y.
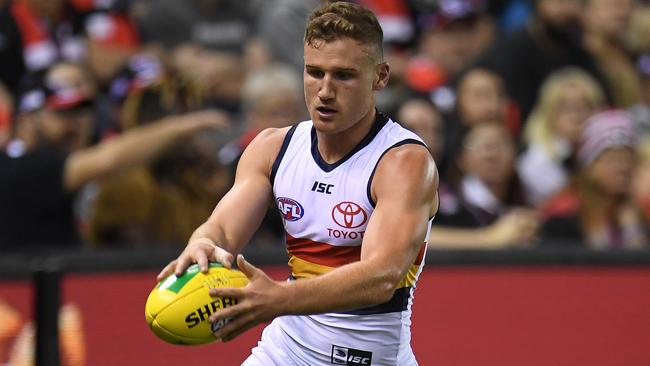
column 378, row 124
column 283, row 149
column 399, row 302
column 397, row 144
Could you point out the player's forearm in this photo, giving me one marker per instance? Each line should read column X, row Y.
column 354, row 286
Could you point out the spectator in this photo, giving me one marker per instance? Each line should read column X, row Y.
column 159, row 203
column 421, row 117
column 550, row 41
column 488, row 189
column 455, row 34
column 597, row 209
column 606, row 23
column 553, row 131
column 48, row 161
column 481, row 98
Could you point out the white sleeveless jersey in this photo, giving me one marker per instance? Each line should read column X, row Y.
column 325, row 209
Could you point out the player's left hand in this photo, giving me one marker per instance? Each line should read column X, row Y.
column 258, row 302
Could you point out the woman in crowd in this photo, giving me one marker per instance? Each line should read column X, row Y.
column 567, row 98
column 597, row 208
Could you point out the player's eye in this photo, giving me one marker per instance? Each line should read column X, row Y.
column 315, row 73
column 343, row 75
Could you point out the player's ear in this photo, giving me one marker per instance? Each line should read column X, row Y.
column 382, row 74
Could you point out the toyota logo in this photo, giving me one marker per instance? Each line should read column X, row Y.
column 349, row 215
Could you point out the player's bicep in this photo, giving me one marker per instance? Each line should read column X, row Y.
column 399, row 223
column 241, row 210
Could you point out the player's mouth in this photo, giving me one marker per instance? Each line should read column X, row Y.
column 326, row 112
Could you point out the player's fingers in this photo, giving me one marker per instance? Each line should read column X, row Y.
column 169, row 268
column 223, row 314
column 202, row 261
column 223, row 257
column 227, row 292
column 248, row 269
column 233, row 326
column 182, row 264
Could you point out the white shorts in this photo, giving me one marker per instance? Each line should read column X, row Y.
column 279, row 348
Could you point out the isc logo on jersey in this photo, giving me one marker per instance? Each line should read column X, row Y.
column 290, row 209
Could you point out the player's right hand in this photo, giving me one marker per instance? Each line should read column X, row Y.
column 201, row 251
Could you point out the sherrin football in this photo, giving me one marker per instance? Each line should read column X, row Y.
column 178, row 308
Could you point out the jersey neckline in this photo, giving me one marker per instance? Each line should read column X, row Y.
column 378, row 124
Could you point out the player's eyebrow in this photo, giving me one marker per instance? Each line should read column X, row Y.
column 335, row 69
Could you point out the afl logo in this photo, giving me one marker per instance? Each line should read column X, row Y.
column 349, row 215
column 290, row 209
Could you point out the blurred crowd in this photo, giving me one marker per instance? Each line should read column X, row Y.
column 122, row 121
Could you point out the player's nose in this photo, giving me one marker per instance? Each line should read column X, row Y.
column 326, row 89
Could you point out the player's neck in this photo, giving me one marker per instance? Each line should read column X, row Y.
column 333, row 147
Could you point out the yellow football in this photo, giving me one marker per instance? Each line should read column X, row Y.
column 178, row 308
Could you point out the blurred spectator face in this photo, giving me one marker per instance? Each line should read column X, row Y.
column 612, row 171
column 75, row 77
column 456, row 34
column 560, row 13
column 450, row 47
column 60, row 110
column 489, row 154
column 481, row 98
column 573, row 108
column 279, row 110
column 425, row 121
column 273, row 97
column 65, row 130
column 609, row 18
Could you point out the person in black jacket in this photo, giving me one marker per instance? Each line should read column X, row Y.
column 550, row 40
column 49, row 159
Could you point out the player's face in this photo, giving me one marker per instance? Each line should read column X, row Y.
column 340, row 79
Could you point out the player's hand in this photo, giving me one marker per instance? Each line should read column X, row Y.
column 258, row 302
column 201, row 251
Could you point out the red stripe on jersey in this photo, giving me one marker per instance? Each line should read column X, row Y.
column 420, row 257
column 322, row 253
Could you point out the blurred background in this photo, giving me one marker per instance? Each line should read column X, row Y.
column 122, row 122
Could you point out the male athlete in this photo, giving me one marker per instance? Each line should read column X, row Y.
column 356, row 192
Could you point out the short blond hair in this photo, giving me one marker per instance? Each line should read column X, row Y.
column 341, row 19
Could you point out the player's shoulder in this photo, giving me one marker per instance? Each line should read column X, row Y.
column 410, row 162
column 270, row 138
column 263, row 149
column 407, row 155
